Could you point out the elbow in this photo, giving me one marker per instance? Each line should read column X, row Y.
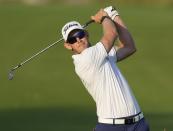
column 133, row 50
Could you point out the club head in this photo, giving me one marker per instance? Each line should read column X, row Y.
column 11, row 75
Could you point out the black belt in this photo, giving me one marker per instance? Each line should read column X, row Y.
column 115, row 121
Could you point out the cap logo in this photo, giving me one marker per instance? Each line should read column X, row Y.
column 68, row 26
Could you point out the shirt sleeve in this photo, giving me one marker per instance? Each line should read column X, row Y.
column 91, row 59
column 94, row 56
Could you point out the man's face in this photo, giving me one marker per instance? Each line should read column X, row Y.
column 78, row 41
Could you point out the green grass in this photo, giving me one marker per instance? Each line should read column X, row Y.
column 46, row 95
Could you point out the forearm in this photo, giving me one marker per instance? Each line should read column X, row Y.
column 127, row 45
column 124, row 35
column 109, row 29
column 108, row 26
column 109, row 33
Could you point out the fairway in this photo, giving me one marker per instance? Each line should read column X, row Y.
column 46, row 94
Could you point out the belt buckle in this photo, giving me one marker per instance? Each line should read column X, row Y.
column 129, row 121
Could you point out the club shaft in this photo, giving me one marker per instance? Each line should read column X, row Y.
column 35, row 55
column 87, row 23
column 38, row 53
column 41, row 51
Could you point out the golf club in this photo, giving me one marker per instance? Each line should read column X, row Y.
column 11, row 73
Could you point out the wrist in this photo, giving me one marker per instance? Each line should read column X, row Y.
column 103, row 18
column 114, row 16
column 116, row 19
column 111, row 11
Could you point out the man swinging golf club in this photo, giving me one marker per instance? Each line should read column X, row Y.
column 117, row 108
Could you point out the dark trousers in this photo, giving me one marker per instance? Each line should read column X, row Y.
column 141, row 125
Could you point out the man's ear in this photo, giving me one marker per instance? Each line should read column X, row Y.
column 78, row 40
column 67, row 46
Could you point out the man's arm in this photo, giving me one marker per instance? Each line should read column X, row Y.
column 127, row 45
column 109, row 29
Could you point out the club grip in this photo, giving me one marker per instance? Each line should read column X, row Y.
column 87, row 23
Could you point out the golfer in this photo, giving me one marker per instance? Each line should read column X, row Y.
column 117, row 108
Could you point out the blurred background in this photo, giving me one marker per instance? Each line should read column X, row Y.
column 46, row 94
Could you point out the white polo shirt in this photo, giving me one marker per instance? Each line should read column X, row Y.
column 98, row 72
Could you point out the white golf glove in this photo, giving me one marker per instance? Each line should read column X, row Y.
column 112, row 13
